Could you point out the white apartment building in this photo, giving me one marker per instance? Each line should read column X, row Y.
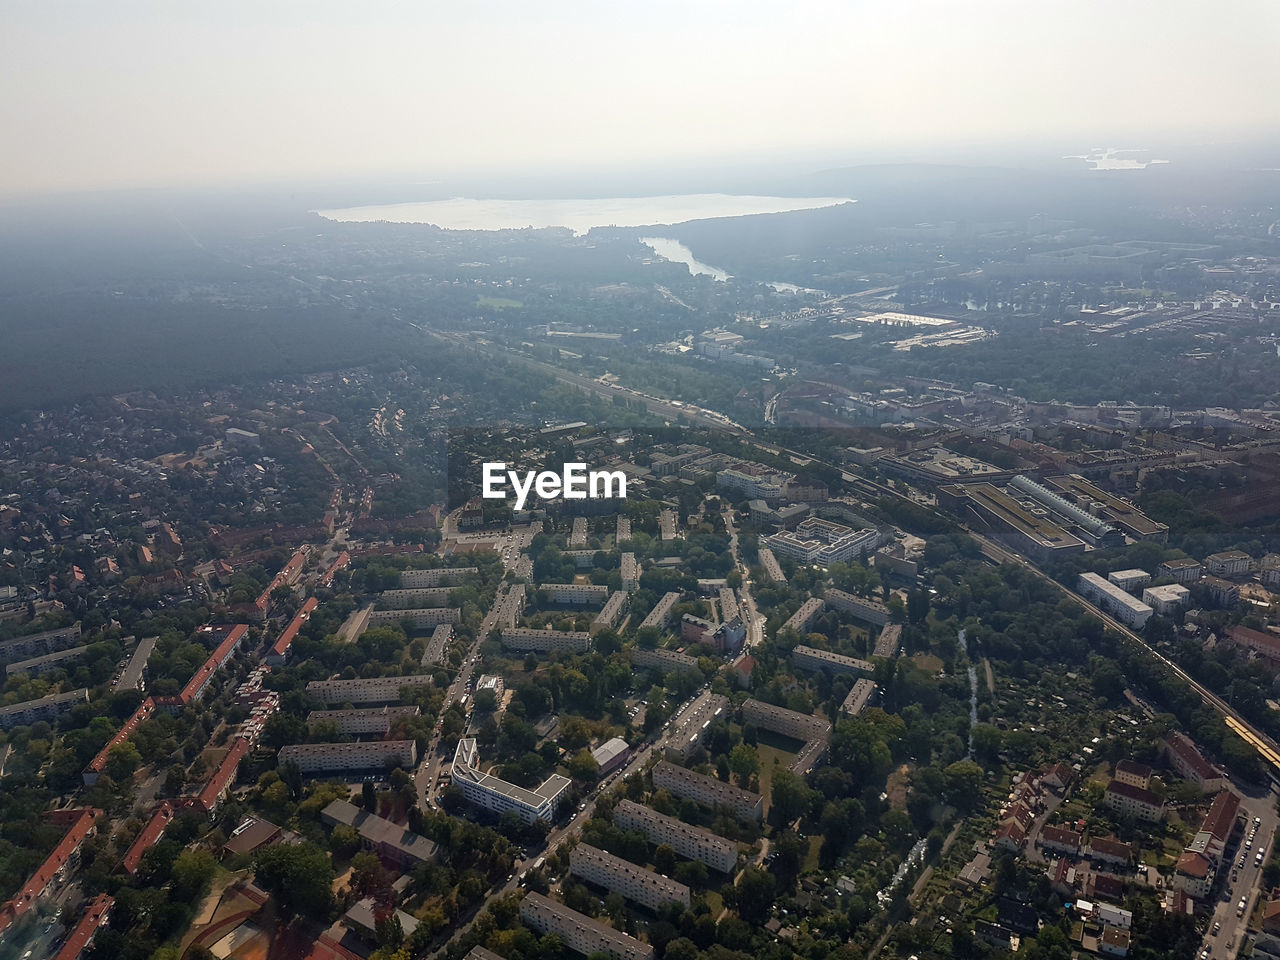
column 789, row 723
column 645, row 887
column 497, row 795
column 420, row 616
column 611, row 612
column 364, row 689
column 407, row 599
column 545, row 641
column 708, row 791
column 358, row 722
column 810, row 658
column 662, row 610
column 1129, row 610
column 692, row 725
column 858, row 697
column 1230, row 563
column 630, row 573
column 665, row 660
column 772, row 569
column 690, row 842
column 45, row 708
column 335, row 757
column 441, row 576
column 871, row 611
column 1168, row 599
column 802, row 619
column 575, row 594
column 580, row 932
column 823, row 542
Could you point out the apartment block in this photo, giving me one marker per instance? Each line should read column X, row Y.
column 1230, row 563
column 334, row 757
column 575, row 594
column 664, row 660
column 47, row 708
column 420, row 617
column 440, row 577
column 364, row 689
column 858, row 697
column 1129, row 580
column 580, row 932
column 1184, row 570
column 35, row 666
column 497, row 795
column 690, row 842
column 38, row 644
column 803, row 619
column 1129, row 610
column 789, row 723
column 823, row 542
column 1167, row 599
column 611, row 612
column 708, row 791
column 578, row 535
column 1134, row 801
column 645, row 887
column 1224, row 593
column 869, row 611
column 630, row 570
column 362, row 721
column 772, row 569
column 623, row 531
column 690, row 728
column 546, row 641
column 406, row 599
column 810, row 658
column 1190, row 764
column 728, row 604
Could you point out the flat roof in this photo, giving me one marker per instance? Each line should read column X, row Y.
column 1040, row 529
column 1122, row 511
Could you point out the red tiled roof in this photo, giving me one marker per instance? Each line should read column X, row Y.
column 148, row 838
column 25, row 898
column 1061, row 836
column 296, row 563
column 1134, row 793
column 281, row 646
column 1188, row 754
column 1193, row 865
column 1111, row 848
column 216, row 660
column 223, row 776
column 1221, row 817
column 344, row 558
column 144, row 711
column 94, row 916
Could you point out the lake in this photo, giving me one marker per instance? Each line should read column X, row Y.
column 464, row 213
column 675, row 251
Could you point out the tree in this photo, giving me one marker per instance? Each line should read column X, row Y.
column 756, row 891
column 583, row 766
column 369, row 796
column 192, row 870
column 298, row 876
column 745, row 762
column 122, row 760
column 664, row 859
column 790, row 797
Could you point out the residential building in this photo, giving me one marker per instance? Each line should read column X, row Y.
column 60, row 861
column 630, row 573
column 434, row 651
column 575, row 594
column 47, row 708
column 858, row 697
column 407, row 599
column 1129, row 580
column 441, row 576
column 133, row 677
column 546, row 641
column 803, row 618
column 869, row 611
column 1190, row 764
column 1110, row 850
column 823, row 542
column 362, row 721
column 94, row 915
column 229, row 639
column 1168, row 599
column 1183, row 570
column 35, row 666
column 789, row 723
column 1114, row 942
column 1134, row 801
column 362, row 918
column 695, row 629
column 391, row 842
column 148, row 838
column 729, row 636
column 688, row 841
column 810, row 658
column 215, row 789
column 772, row 569
column 753, row 480
column 1230, row 563
column 279, row 652
column 662, row 610
column 1130, row 611
column 1224, row 593
column 38, row 644
column 1133, row 773
column 580, row 932
column 497, row 795
column 333, row 757
column 1059, row 840
column 365, row 689
column 663, row 660
column 691, row 726
column 1193, row 874
column 645, row 887
column 708, row 791
column 610, row 613
column 420, row 617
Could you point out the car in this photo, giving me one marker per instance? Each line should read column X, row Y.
column 1217, row 925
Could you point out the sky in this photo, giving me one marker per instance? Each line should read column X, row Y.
column 131, row 94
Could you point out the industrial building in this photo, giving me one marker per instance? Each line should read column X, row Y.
column 1027, row 529
column 610, row 755
column 708, row 791
column 1129, row 610
column 335, row 757
column 580, row 932
column 809, row 658
column 688, row 841
column 1108, row 507
column 497, row 795
column 365, row 689
column 645, row 887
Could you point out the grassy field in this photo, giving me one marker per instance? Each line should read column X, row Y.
column 768, row 754
column 498, row 303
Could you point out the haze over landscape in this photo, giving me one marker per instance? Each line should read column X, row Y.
column 659, row 481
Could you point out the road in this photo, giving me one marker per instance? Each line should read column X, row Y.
column 1243, row 882
column 754, row 622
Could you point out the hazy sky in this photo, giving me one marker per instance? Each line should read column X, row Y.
column 127, row 93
